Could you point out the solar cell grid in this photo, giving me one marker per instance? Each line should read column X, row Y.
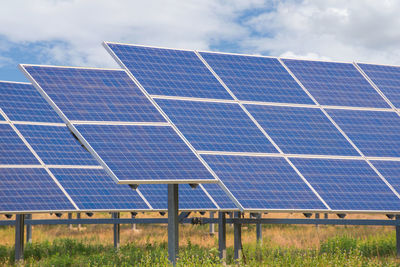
column 95, row 94
column 256, row 78
column 189, row 198
column 387, row 78
column 56, row 145
column 144, row 153
column 301, row 130
column 338, row 84
column 390, row 170
column 22, row 102
column 216, row 126
column 220, row 196
column 12, row 148
column 93, row 189
column 348, row 184
column 169, row 72
column 264, row 183
column 30, row 190
column 374, row 133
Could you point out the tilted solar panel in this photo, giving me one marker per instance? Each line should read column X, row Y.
column 216, row 126
column 375, row 133
column 337, row 84
column 348, row 184
column 391, row 171
column 301, row 130
column 264, row 183
column 220, row 197
column 256, row 78
column 386, row 78
column 21, row 102
column 169, row 71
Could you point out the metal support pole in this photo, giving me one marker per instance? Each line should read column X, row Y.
column 316, row 217
column 326, row 216
column 173, row 223
column 237, row 236
column 19, row 237
column 398, row 238
column 28, row 229
column 70, row 218
column 133, row 224
column 117, row 228
column 212, row 226
column 259, row 230
column 78, row 216
column 222, row 235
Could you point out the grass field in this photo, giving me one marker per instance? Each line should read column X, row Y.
column 283, row 245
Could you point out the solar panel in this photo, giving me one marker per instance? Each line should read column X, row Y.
column 390, row 170
column 26, row 189
column 387, row 78
column 189, row 198
column 301, row 130
column 216, row 126
column 56, row 145
column 144, row 153
column 256, row 78
column 21, row 102
column 337, row 84
column 93, row 189
column 12, row 149
column 375, row 133
column 95, row 94
column 348, row 184
column 264, row 183
column 220, row 197
column 169, row 71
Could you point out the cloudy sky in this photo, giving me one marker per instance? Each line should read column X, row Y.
column 70, row 32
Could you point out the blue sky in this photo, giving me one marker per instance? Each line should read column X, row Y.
column 70, row 32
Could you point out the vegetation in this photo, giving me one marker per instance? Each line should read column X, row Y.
column 283, row 245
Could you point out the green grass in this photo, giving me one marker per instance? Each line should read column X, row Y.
column 378, row 250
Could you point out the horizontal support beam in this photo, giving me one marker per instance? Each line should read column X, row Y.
column 203, row 220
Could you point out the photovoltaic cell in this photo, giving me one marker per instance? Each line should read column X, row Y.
column 135, row 152
column 257, row 78
column 220, row 196
column 348, row 184
column 301, row 130
column 374, row 133
column 95, row 94
column 30, row 190
column 390, row 170
column 338, row 84
column 12, row 148
column 189, row 198
column 93, row 189
column 216, row 126
column 387, row 78
column 169, row 72
column 22, row 102
column 2, row 118
column 56, row 145
column 263, row 182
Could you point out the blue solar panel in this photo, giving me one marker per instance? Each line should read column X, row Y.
column 390, row 170
column 144, row 152
column 338, row 84
column 12, row 149
column 95, row 94
column 169, row 72
column 263, row 182
column 220, row 196
column 22, row 102
column 189, row 198
column 30, row 190
column 347, row 184
column 375, row 133
column 2, row 118
column 257, row 78
column 387, row 78
column 95, row 190
column 56, row 145
column 216, row 126
column 301, row 130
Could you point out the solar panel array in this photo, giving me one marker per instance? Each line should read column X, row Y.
column 277, row 134
column 292, row 135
